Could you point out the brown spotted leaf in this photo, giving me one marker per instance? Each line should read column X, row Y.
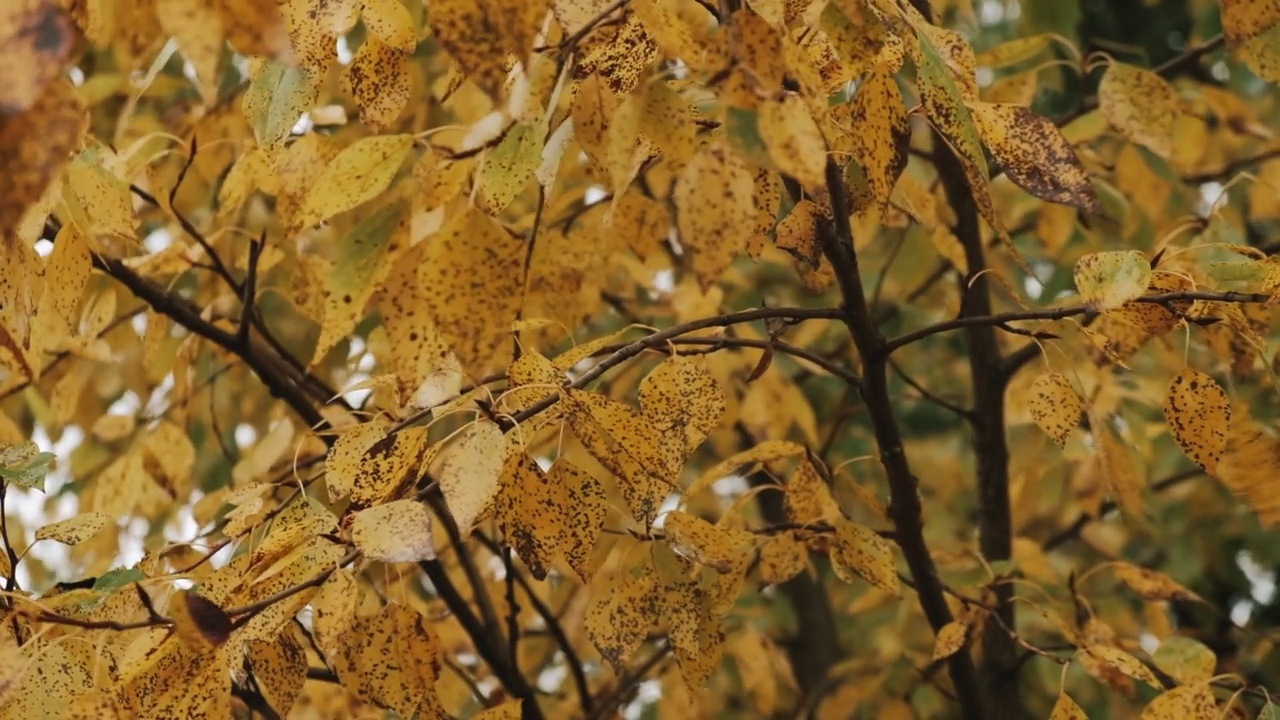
column 860, row 551
column 1252, row 30
column 715, row 209
column 535, row 510
column 1199, row 417
column 1056, row 406
column 1140, row 105
column 1035, row 155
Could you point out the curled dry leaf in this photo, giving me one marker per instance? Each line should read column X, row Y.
column 1199, row 417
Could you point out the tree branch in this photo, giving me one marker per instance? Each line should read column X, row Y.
column 1073, row 530
column 1089, row 311
column 990, row 447
column 280, row 379
column 905, row 507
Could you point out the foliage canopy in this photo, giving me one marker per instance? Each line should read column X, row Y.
column 658, row 358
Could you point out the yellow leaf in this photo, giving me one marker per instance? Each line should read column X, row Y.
column 715, row 210
column 1055, row 406
column 270, row 447
column 696, row 638
column 465, row 29
column 508, row 168
column 471, row 316
column 358, row 174
column 1186, row 660
column 794, row 142
column 628, row 444
column 334, row 610
column 1035, row 155
column 1113, row 658
column 509, row 710
column 280, row 670
column 362, row 260
column 1140, row 105
column 1150, row 584
column 196, row 25
column 390, row 22
column 1114, row 467
column 782, row 557
column 807, row 497
column 344, row 462
column 76, row 530
column 1252, row 29
column 859, row 550
column 590, row 508
column 683, row 401
column 390, row 466
column 879, row 132
column 392, row 660
column 945, row 105
column 798, row 232
column 1066, row 709
column 427, row 373
column 1015, row 51
column 1107, row 280
column 399, row 531
column 36, row 145
column 711, row 545
column 276, row 98
column 99, row 201
column 198, row 620
column 764, row 452
column 379, row 78
column 950, row 639
column 471, row 473
column 535, row 510
column 254, row 27
column 37, row 35
column 1186, row 702
column 681, row 31
column 618, row 620
column 1199, row 417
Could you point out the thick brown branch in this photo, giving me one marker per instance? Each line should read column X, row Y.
column 905, row 508
column 279, row 378
column 990, row 447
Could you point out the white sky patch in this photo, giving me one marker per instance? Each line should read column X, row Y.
column 157, row 240
column 245, row 436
